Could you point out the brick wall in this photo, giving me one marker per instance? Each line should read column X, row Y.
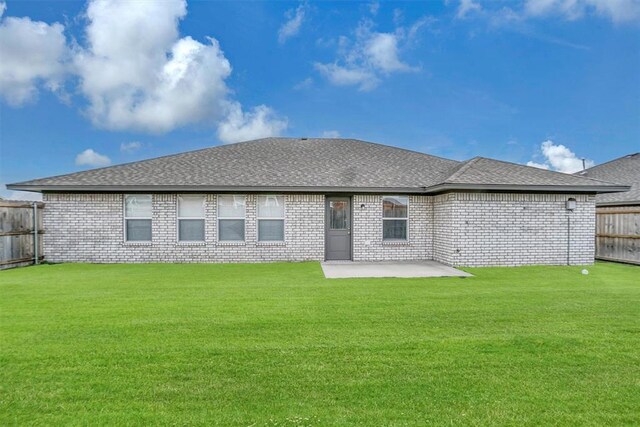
column 367, row 230
column 462, row 229
column 485, row 229
column 444, row 228
column 89, row 228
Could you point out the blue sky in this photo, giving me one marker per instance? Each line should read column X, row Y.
column 544, row 82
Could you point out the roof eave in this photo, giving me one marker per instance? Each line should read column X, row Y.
column 440, row 188
column 618, row 203
column 206, row 188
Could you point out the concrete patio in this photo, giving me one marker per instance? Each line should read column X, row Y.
column 350, row 269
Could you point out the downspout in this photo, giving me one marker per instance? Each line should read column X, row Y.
column 36, row 255
column 568, row 238
column 570, row 205
column 433, row 228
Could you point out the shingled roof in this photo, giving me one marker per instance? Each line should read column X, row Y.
column 625, row 170
column 311, row 165
column 496, row 174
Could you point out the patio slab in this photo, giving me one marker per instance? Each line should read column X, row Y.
column 350, row 269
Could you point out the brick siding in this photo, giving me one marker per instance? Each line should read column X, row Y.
column 460, row 229
column 90, row 228
column 503, row 229
column 367, row 231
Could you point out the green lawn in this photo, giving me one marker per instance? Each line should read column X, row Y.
column 277, row 344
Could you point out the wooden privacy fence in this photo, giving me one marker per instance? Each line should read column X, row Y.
column 618, row 234
column 20, row 233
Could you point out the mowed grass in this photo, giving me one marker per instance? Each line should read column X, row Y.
column 277, row 344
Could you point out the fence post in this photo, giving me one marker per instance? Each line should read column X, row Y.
column 36, row 255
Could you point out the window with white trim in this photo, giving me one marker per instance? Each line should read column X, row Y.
column 271, row 218
column 395, row 218
column 231, row 217
column 137, row 217
column 190, row 218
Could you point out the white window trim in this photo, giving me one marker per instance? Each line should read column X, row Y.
column 283, row 219
column 203, row 218
column 218, row 218
column 125, row 218
column 395, row 219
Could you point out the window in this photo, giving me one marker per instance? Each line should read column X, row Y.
column 271, row 218
column 191, row 218
column 395, row 217
column 231, row 214
column 137, row 217
column 338, row 212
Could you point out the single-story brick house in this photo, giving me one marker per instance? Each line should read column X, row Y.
column 319, row 199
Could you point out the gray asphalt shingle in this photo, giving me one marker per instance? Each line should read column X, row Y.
column 481, row 170
column 305, row 163
column 624, row 170
column 274, row 162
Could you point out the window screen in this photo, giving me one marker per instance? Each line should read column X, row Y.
column 191, row 218
column 271, row 218
column 395, row 217
column 231, row 217
column 138, row 217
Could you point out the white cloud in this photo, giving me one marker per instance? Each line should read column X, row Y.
column 139, row 75
column 135, row 71
column 130, row 147
column 91, row 158
column 151, row 83
column 345, row 76
column 618, row 11
column 381, row 50
column 541, row 7
column 560, row 158
column 467, row 6
column 32, row 54
column 331, row 134
column 261, row 122
column 292, row 27
column 364, row 61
